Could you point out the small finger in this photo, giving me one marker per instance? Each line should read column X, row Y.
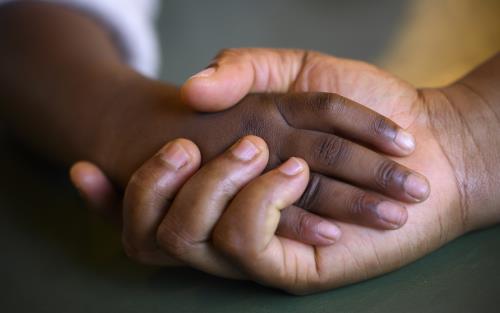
column 97, row 190
column 148, row 195
column 246, row 230
column 185, row 232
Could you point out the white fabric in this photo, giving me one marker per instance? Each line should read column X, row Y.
column 131, row 22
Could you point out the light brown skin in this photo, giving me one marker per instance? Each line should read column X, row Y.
column 456, row 150
column 66, row 92
column 238, row 238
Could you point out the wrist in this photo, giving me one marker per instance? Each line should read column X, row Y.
column 468, row 127
column 135, row 124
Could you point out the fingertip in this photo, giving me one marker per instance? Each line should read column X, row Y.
column 84, row 175
column 190, row 148
column 76, row 171
column 405, row 142
column 94, row 187
column 417, row 187
column 204, row 95
column 218, row 87
column 328, row 233
column 293, row 166
column 258, row 142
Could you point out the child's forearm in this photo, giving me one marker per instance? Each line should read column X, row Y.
column 67, row 92
column 60, row 72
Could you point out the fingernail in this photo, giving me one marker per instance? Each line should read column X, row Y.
column 204, row 73
column 391, row 213
column 329, row 231
column 245, row 150
column 416, row 186
column 175, row 155
column 291, row 167
column 405, row 140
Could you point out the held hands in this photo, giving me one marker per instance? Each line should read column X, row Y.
column 298, row 125
column 246, row 236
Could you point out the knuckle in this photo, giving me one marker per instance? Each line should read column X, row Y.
column 253, row 125
column 147, row 175
column 305, row 224
column 333, row 150
column 174, row 243
column 227, row 179
column 361, row 204
column 381, row 127
column 224, row 241
column 357, row 204
column 228, row 240
column 138, row 180
column 384, row 174
column 388, row 173
column 258, row 119
column 267, row 121
column 309, row 199
column 327, row 103
column 150, row 182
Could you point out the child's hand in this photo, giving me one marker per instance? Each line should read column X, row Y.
column 168, row 197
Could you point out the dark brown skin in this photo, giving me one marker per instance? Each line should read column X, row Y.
column 66, row 92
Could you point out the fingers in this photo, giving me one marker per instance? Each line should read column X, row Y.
column 331, row 113
column 257, row 70
column 340, row 201
column 148, row 195
column 335, row 156
column 186, row 230
column 301, row 225
column 246, row 230
column 97, row 190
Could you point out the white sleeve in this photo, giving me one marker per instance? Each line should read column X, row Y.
column 132, row 25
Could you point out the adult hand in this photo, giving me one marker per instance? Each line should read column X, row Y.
column 450, row 124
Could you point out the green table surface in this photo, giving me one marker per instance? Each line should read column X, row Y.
column 56, row 257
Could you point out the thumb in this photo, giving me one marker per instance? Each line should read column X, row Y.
column 236, row 72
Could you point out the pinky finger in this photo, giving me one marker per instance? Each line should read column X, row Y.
column 96, row 189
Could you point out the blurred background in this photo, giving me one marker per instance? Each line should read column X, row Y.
column 427, row 42
column 56, row 257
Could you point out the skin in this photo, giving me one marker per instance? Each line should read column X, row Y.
column 450, row 124
column 70, row 102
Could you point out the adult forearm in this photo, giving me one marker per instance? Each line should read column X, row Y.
column 471, row 126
